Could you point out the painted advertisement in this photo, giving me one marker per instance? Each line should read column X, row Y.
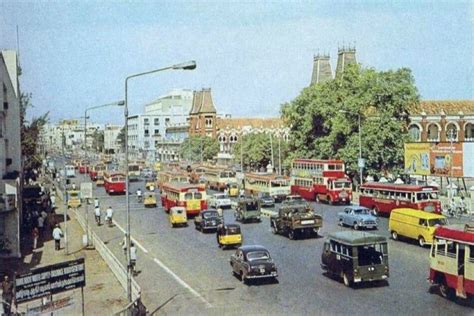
column 439, row 159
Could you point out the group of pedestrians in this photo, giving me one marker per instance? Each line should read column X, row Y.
column 109, row 213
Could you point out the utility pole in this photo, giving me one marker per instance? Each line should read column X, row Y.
column 279, row 155
column 66, row 248
column 271, row 148
column 451, row 157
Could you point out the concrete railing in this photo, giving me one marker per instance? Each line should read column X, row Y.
column 114, row 264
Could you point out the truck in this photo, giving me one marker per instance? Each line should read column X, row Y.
column 296, row 220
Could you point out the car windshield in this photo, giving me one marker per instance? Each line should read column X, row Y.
column 210, row 214
column 361, row 211
column 437, row 221
column 220, row 197
column 296, row 198
column 251, row 206
column 258, row 255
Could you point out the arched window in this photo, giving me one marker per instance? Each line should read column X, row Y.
column 414, row 132
column 469, row 132
column 451, row 132
column 433, row 132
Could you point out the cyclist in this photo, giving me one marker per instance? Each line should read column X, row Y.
column 109, row 215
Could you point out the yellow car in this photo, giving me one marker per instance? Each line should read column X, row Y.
column 150, row 199
column 178, row 216
column 150, row 185
column 229, row 236
column 73, row 199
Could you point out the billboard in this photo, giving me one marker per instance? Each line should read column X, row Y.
column 439, row 159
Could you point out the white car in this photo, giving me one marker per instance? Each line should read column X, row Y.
column 219, row 200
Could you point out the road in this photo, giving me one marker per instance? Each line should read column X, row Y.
column 182, row 271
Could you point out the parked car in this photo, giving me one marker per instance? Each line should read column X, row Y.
column 207, row 220
column 253, row 262
column 265, row 199
column 219, row 200
column 357, row 217
column 248, row 209
column 356, row 257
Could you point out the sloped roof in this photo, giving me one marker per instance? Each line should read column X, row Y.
column 237, row 123
column 202, row 102
column 450, row 107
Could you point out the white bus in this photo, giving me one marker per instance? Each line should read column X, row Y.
column 70, row 171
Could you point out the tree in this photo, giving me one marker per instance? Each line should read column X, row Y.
column 256, row 150
column 190, row 149
column 324, row 118
column 30, row 131
column 98, row 140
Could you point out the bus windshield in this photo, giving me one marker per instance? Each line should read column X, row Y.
column 278, row 183
column 342, row 185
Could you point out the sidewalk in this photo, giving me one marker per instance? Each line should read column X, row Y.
column 103, row 294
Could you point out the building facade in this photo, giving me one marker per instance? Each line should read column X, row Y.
column 111, row 142
column 10, row 157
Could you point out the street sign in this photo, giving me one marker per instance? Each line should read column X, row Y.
column 50, row 280
column 86, row 190
column 361, row 162
column 52, row 306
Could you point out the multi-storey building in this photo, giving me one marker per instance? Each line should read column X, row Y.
column 10, row 157
column 111, row 142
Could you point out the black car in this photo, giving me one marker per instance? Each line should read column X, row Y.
column 253, row 262
column 207, row 220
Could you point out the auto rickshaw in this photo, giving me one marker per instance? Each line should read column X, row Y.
column 233, row 190
column 150, row 199
column 177, row 216
column 73, row 199
column 229, row 235
column 150, row 184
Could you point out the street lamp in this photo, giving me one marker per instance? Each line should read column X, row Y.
column 118, row 103
column 189, row 65
column 361, row 161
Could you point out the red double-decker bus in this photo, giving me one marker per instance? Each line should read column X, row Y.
column 114, row 182
column 190, row 196
column 95, row 170
column 321, row 180
column 452, row 260
column 382, row 198
column 84, row 166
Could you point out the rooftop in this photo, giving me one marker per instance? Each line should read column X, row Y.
column 449, row 107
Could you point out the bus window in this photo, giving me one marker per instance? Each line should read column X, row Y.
column 451, row 249
column 197, row 195
column 188, row 196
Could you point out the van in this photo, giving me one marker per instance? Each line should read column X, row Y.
column 414, row 224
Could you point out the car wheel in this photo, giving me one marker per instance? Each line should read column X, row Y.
column 291, row 234
column 356, row 226
column 394, row 235
column 341, row 222
column 274, row 229
column 316, row 231
column 347, row 281
column 242, row 278
column 375, row 211
column 202, row 229
column 421, row 241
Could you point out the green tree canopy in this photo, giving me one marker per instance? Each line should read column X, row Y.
column 191, row 148
column 324, row 118
column 256, row 150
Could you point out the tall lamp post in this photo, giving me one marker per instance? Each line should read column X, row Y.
column 190, row 65
column 360, row 162
column 118, row 103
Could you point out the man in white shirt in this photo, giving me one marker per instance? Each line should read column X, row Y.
column 57, row 234
column 96, row 202
column 109, row 214
column 97, row 215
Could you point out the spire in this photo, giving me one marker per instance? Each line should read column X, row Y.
column 346, row 56
column 321, row 69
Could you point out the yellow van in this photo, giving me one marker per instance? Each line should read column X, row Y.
column 414, row 224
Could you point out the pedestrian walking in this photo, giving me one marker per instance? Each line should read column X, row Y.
column 7, row 295
column 57, row 234
column 97, row 215
column 109, row 215
column 124, row 245
column 40, row 223
column 35, row 236
column 96, row 202
column 52, row 198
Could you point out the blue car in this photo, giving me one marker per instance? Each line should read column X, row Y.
column 357, row 217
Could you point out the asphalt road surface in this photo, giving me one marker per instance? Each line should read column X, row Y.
column 182, row 271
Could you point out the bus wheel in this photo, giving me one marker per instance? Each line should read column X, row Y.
column 317, row 199
column 328, row 199
column 446, row 291
column 421, row 241
column 394, row 235
column 346, row 280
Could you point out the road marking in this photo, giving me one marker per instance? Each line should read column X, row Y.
column 133, row 239
column 180, row 281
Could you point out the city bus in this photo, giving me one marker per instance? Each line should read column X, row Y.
column 218, row 178
column 84, row 166
column 95, row 170
column 452, row 260
column 192, row 197
column 276, row 186
column 70, row 171
column 107, row 158
column 321, row 180
column 382, row 198
column 170, row 176
column 134, row 171
column 114, row 182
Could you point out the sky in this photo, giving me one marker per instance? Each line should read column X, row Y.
column 254, row 55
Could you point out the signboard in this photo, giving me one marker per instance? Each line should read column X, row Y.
column 50, row 307
column 50, row 280
column 439, row 159
column 86, row 190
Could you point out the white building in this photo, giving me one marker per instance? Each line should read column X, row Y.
column 10, row 157
column 148, row 132
column 111, row 141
